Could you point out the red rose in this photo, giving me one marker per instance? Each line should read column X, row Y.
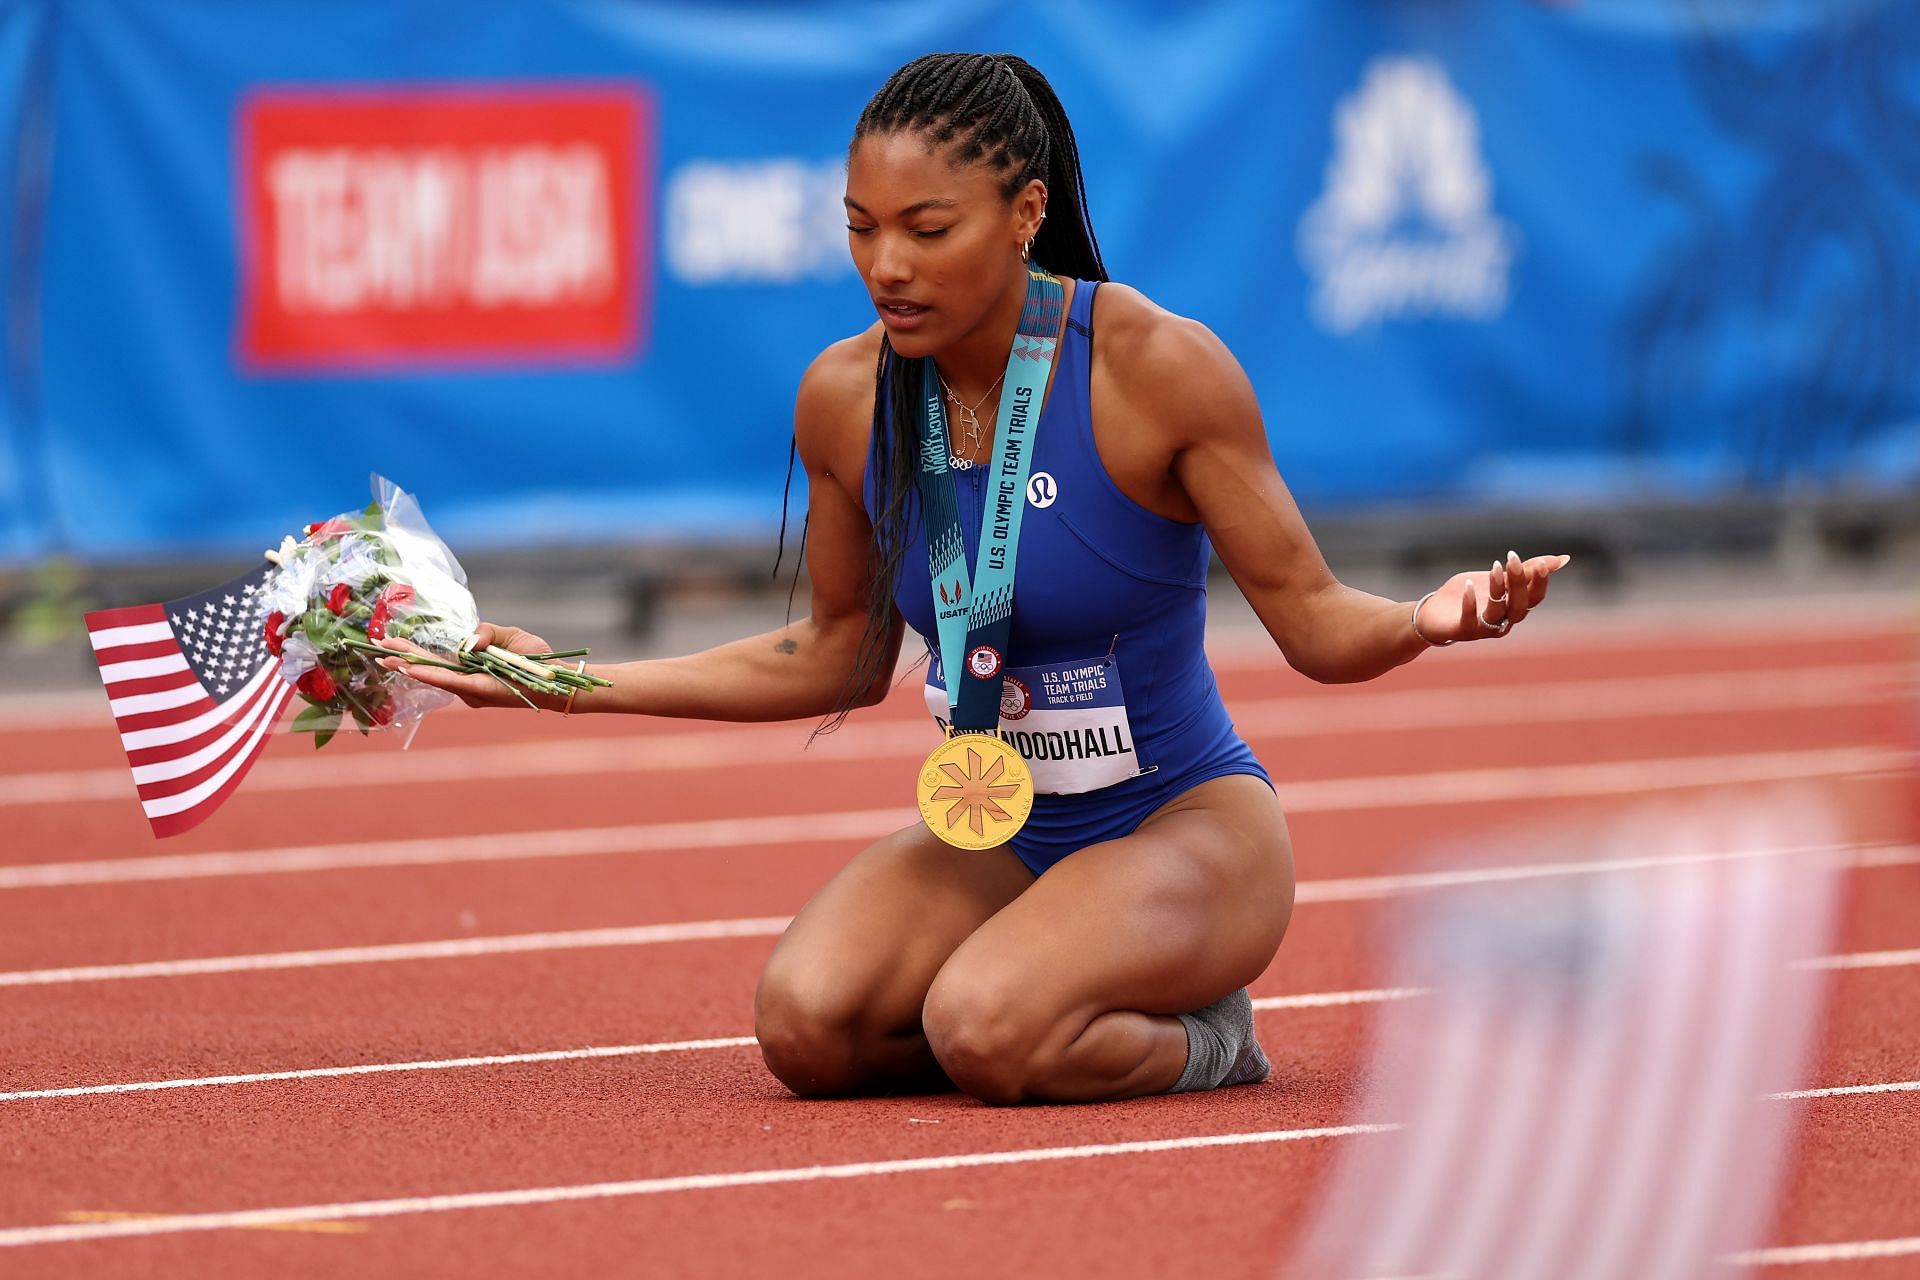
column 318, row 685
column 338, row 597
column 397, row 594
column 275, row 641
column 328, row 531
column 381, row 713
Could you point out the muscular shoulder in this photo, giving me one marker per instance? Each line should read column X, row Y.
column 1171, row 370
column 833, row 410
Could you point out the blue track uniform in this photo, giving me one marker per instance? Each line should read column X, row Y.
column 1108, row 693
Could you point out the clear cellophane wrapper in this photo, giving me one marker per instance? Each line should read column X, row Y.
column 349, row 583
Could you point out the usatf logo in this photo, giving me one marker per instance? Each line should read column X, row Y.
column 411, row 226
column 1042, row 490
column 954, row 597
column 1406, row 228
column 984, row 662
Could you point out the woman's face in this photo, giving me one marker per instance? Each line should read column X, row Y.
column 937, row 246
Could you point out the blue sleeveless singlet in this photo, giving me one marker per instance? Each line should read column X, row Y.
column 1104, row 586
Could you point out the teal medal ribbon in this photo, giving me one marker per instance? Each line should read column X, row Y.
column 974, row 613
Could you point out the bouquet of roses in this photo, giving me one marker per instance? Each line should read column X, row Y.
column 364, row 577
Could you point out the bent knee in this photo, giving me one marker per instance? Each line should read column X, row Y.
column 807, row 1037
column 981, row 1038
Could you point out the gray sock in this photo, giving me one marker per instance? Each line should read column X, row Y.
column 1221, row 1049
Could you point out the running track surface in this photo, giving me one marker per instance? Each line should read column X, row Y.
column 517, row 886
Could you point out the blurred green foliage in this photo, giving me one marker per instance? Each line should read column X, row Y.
column 49, row 606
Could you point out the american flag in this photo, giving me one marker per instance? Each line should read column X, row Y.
column 1583, row 1087
column 194, row 694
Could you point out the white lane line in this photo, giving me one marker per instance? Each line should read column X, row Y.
column 353, row 1210
column 1302, row 715
column 1363, row 888
column 1889, row 855
column 1677, row 631
column 1356, row 889
column 1314, row 1000
column 505, row 846
column 1843, row 1251
column 1849, row 1090
column 383, row 1068
column 1865, row 960
column 1311, row 1000
column 1328, row 999
column 1622, row 777
column 506, row 944
column 1330, row 795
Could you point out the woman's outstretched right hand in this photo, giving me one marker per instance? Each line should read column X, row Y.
column 475, row 690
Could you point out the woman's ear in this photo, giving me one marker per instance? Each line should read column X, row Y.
column 1030, row 208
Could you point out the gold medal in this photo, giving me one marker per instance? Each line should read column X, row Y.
column 975, row 791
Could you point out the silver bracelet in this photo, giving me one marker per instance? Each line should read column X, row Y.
column 1415, row 621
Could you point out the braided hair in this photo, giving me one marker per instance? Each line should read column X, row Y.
column 992, row 109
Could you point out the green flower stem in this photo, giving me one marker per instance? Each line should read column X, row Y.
column 508, row 668
column 538, row 686
column 508, row 686
column 512, row 659
column 418, row 659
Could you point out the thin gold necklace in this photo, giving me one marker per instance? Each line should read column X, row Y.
column 976, row 434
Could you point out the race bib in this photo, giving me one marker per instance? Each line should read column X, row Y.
column 1067, row 720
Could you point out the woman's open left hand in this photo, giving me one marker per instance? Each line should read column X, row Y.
column 1481, row 605
column 475, row 690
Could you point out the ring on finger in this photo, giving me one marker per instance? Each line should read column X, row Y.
column 1499, row 628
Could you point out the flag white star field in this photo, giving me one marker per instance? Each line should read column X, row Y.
column 195, row 694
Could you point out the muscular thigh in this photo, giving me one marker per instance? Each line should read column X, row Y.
column 866, row 947
column 1186, row 909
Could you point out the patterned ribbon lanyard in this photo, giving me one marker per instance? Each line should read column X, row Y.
column 975, row 614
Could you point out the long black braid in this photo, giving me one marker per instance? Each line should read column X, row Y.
column 993, row 109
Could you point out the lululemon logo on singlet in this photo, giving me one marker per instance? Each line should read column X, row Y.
column 1042, row 490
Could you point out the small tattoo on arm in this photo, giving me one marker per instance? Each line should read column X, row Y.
column 787, row 646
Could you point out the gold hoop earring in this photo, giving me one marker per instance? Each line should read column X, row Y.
column 1026, row 250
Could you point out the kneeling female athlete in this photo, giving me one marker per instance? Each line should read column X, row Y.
column 1105, row 952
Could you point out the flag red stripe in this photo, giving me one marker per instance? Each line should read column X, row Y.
column 187, row 819
column 214, row 715
column 157, row 719
column 135, row 652
column 150, row 684
column 131, row 616
column 186, row 746
column 238, row 712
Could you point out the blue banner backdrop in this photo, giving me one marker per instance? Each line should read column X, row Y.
column 25, row 48
column 1473, row 252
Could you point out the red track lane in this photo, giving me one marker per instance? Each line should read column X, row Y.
column 656, row 1116
column 243, row 914
column 604, row 1122
column 167, row 1028
column 1223, row 1212
column 369, row 1138
column 1848, row 1149
column 66, row 831
column 1040, row 1220
column 89, row 741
